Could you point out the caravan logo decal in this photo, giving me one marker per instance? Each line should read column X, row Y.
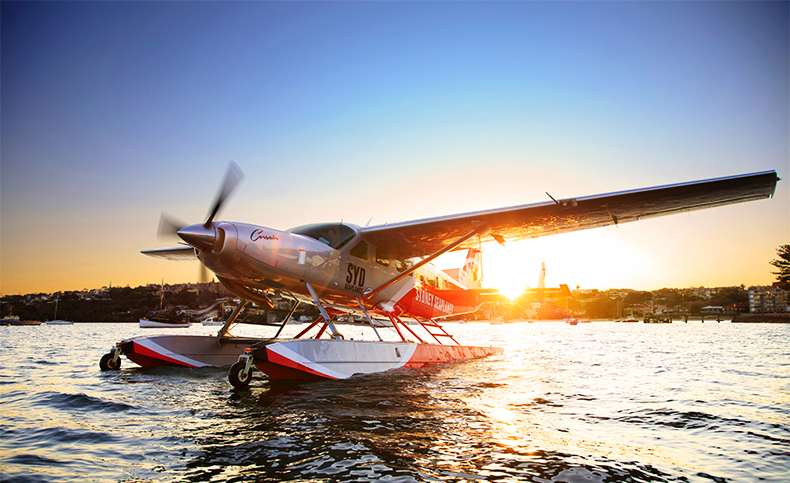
column 261, row 235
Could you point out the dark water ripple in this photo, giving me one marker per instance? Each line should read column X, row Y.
column 601, row 402
column 78, row 402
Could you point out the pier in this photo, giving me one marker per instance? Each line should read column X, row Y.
column 669, row 318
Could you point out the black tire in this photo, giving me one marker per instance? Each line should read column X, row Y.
column 106, row 363
column 237, row 377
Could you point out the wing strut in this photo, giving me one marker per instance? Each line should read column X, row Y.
column 480, row 228
column 370, row 321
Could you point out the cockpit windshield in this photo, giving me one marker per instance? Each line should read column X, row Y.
column 336, row 235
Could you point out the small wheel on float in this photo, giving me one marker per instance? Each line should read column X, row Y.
column 109, row 363
column 238, row 375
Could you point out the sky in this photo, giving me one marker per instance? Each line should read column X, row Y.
column 113, row 112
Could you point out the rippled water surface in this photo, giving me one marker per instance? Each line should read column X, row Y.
column 591, row 403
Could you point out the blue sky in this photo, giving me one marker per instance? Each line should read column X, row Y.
column 112, row 112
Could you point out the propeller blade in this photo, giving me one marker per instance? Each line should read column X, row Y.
column 233, row 177
column 169, row 226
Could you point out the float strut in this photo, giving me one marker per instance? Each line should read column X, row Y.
column 224, row 330
column 327, row 318
column 370, row 321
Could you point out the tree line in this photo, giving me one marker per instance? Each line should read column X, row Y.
column 121, row 304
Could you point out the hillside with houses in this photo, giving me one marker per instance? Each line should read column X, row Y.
column 126, row 304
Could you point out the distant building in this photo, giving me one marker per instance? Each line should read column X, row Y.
column 767, row 299
column 737, row 308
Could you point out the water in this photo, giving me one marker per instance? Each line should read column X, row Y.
column 596, row 402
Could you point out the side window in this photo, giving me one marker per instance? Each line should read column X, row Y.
column 360, row 250
column 402, row 265
column 382, row 256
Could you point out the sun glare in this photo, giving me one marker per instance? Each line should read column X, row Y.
column 510, row 284
column 590, row 260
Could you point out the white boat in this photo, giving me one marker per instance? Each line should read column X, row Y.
column 163, row 318
column 211, row 321
column 159, row 323
column 55, row 320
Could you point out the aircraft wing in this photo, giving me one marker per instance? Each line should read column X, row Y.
column 182, row 253
column 420, row 238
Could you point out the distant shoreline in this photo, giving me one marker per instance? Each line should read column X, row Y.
column 780, row 318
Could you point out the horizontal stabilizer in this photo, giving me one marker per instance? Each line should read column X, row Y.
column 178, row 254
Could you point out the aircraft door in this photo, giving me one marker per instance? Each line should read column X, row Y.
column 355, row 268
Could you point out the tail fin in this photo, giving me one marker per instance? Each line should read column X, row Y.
column 471, row 274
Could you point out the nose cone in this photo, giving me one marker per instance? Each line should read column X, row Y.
column 199, row 236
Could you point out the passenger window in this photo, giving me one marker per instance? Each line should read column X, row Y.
column 402, row 265
column 382, row 256
column 360, row 250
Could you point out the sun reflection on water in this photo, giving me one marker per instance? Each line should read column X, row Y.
column 598, row 402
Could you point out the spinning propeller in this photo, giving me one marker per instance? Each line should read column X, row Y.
column 202, row 236
column 233, row 176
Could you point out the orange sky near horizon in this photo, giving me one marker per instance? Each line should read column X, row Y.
column 115, row 111
column 633, row 255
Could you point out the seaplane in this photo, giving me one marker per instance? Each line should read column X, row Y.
column 380, row 272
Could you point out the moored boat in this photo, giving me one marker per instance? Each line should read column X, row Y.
column 166, row 318
column 212, row 321
column 55, row 320
column 163, row 323
column 11, row 319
